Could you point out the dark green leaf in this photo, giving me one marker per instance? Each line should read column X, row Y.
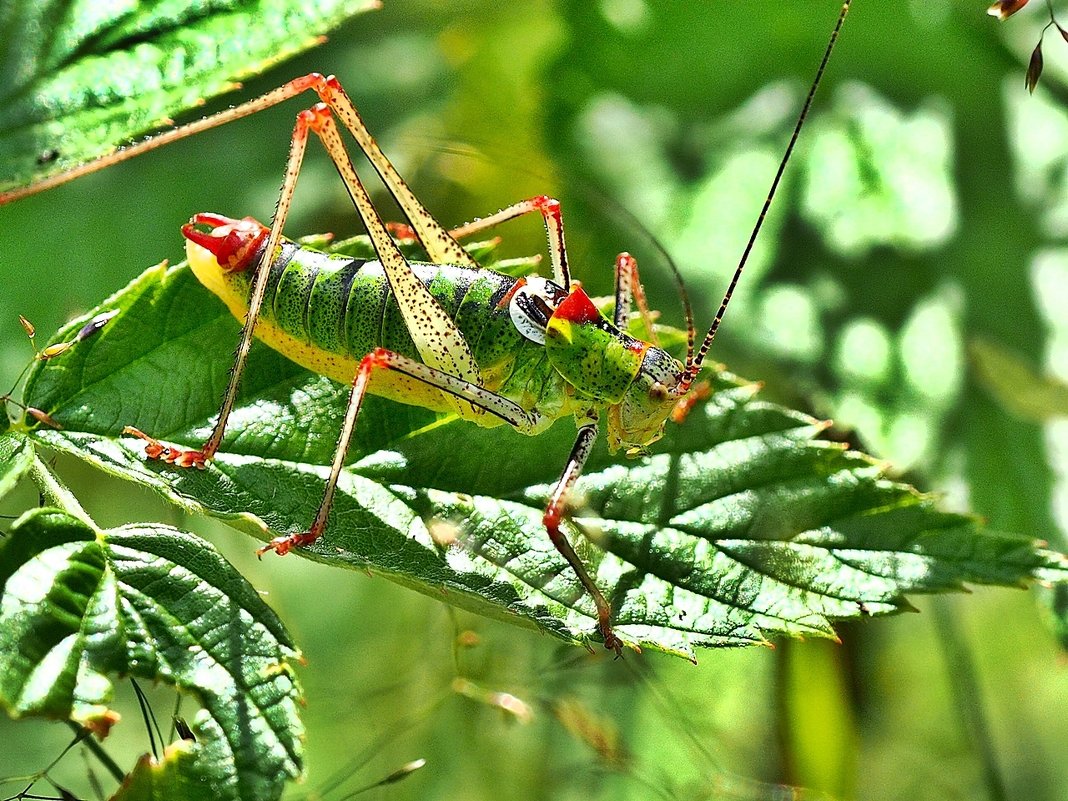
column 80, row 79
column 155, row 603
column 739, row 525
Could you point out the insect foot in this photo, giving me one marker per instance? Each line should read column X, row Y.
column 283, row 545
column 179, row 457
column 551, row 520
column 613, row 643
column 700, row 392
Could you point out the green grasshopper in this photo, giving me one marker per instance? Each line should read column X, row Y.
column 445, row 334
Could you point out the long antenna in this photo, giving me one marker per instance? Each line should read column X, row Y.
column 692, row 369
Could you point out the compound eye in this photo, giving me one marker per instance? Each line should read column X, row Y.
column 532, row 305
column 658, row 392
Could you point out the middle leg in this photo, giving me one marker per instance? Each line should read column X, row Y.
column 628, row 291
column 382, row 359
column 554, row 514
column 549, row 208
column 522, row 420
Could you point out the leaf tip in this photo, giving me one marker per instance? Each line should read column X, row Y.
column 256, row 521
column 100, row 722
column 905, row 605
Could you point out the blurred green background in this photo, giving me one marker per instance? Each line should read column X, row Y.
column 910, row 284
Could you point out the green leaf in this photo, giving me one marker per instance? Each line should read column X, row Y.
column 16, row 456
column 86, row 77
column 173, row 778
column 155, row 603
column 740, row 524
column 1016, row 385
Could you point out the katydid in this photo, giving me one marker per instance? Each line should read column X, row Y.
column 446, row 334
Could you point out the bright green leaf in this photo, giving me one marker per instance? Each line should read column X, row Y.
column 1016, row 385
column 87, row 77
column 16, row 456
column 176, row 777
column 151, row 602
column 739, row 525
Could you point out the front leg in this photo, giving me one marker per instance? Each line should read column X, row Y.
column 554, row 514
column 381, row 358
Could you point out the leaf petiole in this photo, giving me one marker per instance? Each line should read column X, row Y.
column 83, row 735
column 56, row 493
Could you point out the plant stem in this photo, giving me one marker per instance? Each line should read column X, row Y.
column 55, row 493
column 118, row 773
column 965, row 687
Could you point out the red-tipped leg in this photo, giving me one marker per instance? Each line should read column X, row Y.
column 629, row 290
column 179, row 457
column 283, row 545
column 604, row 610
column 554, row 514
column 401, row 231
column 549, row 208
column 699, row 392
